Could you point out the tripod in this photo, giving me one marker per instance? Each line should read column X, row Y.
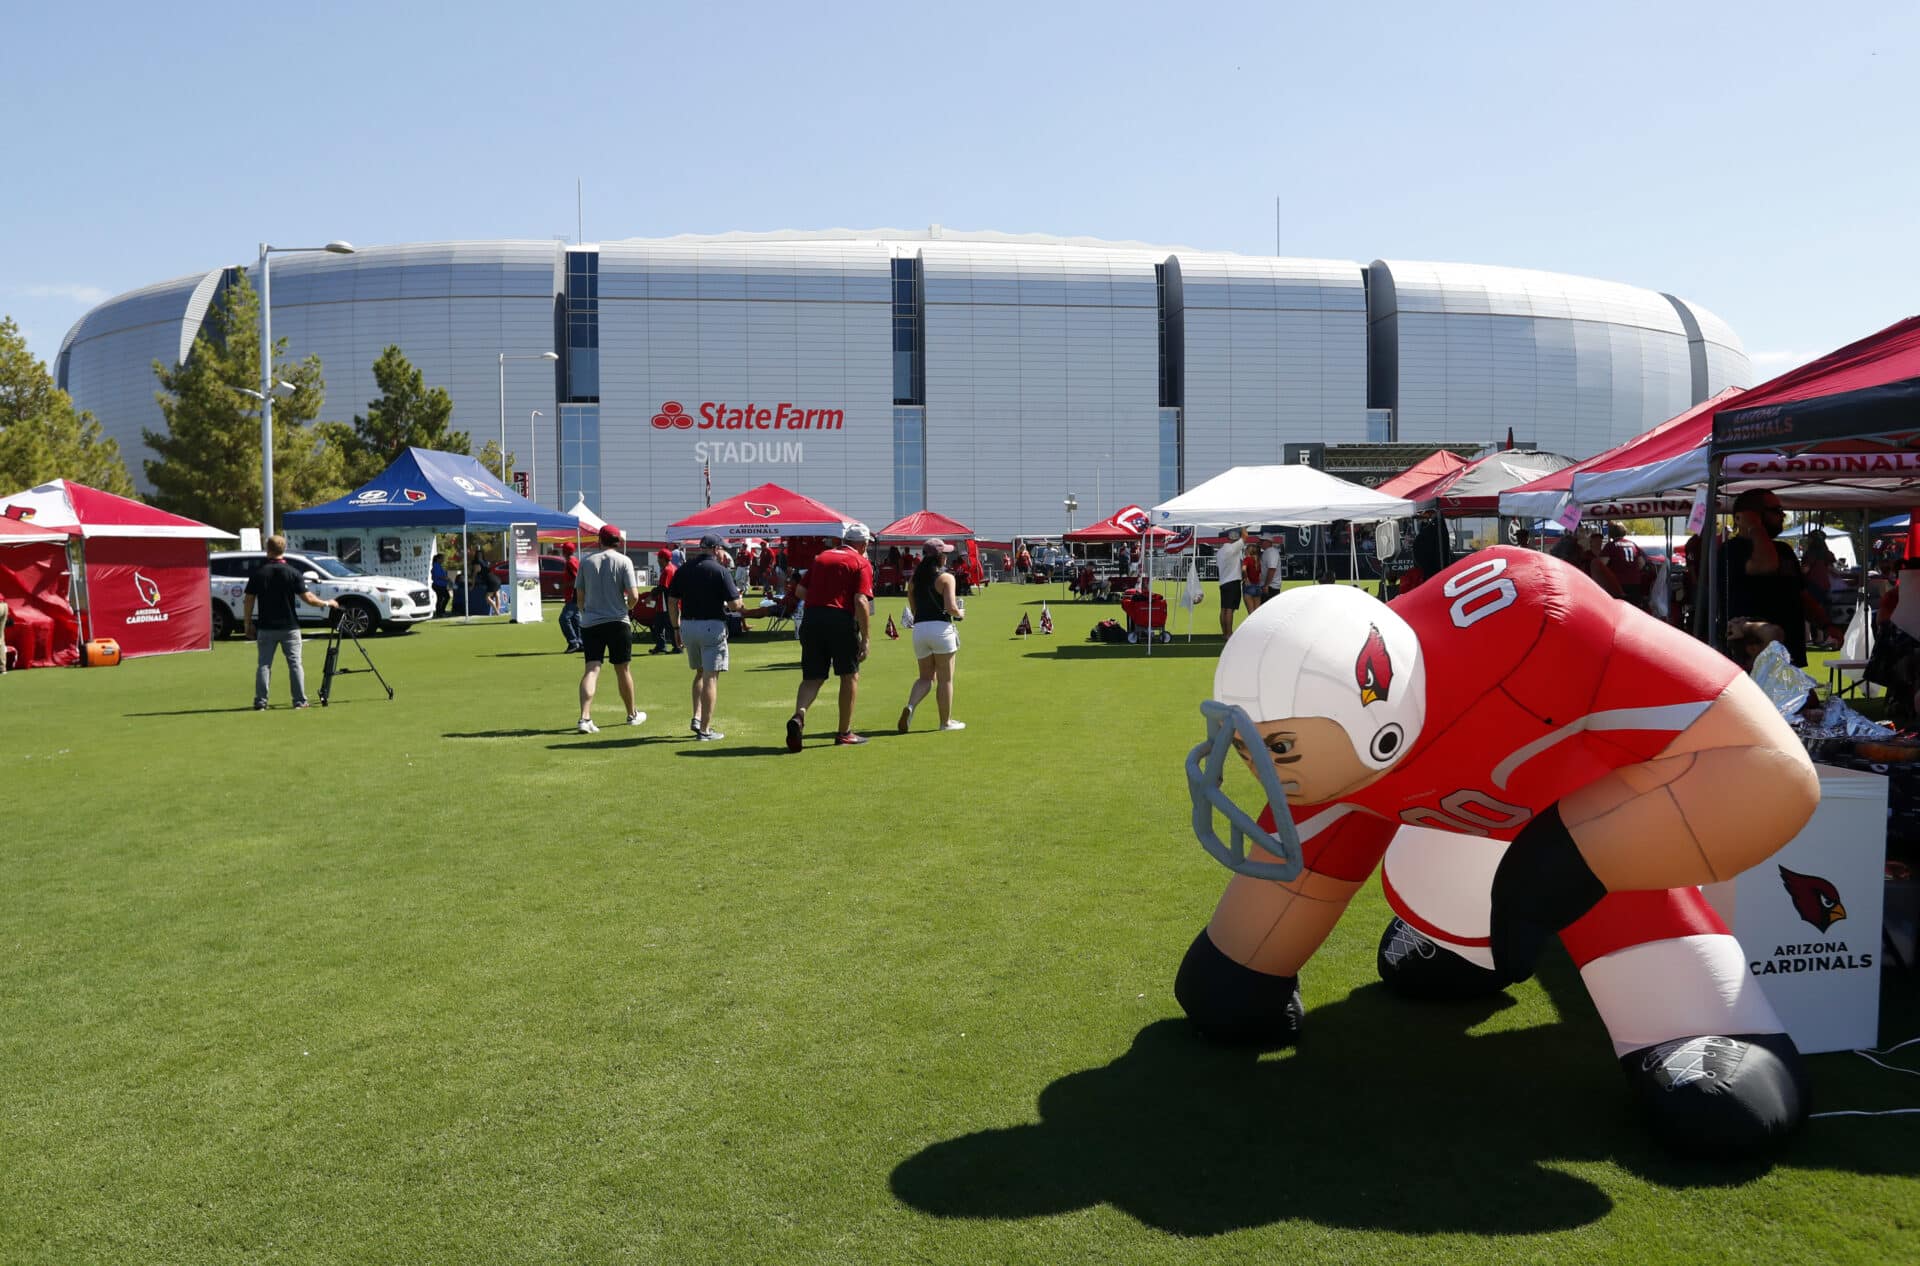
column 333, row 668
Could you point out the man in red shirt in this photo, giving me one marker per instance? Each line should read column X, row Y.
column 665, row 640
column 838, row 591
column 569, row 605
column 1586, row 764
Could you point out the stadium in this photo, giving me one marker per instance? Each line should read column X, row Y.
column 987, row 375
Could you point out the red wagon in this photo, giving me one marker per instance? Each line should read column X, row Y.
column 1146, row 613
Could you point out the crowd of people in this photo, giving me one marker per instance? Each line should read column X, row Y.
column 700, row 603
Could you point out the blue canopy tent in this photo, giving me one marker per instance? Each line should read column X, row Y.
column 426, row 489
column 1891, row 522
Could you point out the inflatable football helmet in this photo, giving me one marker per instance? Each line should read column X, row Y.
column 1328, row 651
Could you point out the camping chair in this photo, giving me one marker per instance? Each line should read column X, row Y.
column 784, row 616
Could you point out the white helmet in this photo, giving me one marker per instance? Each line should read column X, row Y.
column 1328, row 651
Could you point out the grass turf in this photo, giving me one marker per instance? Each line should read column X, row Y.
column 437, row 979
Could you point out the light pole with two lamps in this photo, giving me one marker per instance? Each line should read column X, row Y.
column 265, row 394
column 504, row 358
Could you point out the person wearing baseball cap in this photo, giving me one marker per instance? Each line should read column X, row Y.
column 608, row 588
column 698, row 600
column 838, row 592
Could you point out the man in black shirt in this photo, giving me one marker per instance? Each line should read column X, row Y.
column 698, row 599
column 273, row 588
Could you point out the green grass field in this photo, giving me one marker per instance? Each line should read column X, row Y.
column 440, row 980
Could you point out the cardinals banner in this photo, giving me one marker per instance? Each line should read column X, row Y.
column 893, row 631
column 1025, row 627
column 1046, row 619
column 151, row 596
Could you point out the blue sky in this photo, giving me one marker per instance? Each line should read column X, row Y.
column 1755, row 158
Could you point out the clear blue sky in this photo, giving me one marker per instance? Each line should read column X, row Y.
column 1756, row 158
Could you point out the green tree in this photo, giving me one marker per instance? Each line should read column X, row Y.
column 209, row 455
column 490, row 458
column 42, row 436
column 407, row 414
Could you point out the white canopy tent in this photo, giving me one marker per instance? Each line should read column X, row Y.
column 1293, row 495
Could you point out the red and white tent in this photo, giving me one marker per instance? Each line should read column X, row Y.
column 1546, row 497
column 1475, row 487
column 1128, row 523
column 143, row 577
column 768, row 510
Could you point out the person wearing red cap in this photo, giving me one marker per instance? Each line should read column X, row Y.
column 569, row 604
column 607, row 588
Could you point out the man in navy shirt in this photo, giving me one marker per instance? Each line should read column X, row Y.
column 272, row 589
column 699, row 597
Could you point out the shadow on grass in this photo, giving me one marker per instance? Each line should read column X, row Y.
column 500, row 734
column 721, row 749
column 786, row 666
column 314, row 706
column 1389, row 1116
column 595, row 744
column 1202, row 647
column 532, row 654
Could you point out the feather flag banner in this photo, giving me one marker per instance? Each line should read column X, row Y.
column 1046, row 619
column 892, row 632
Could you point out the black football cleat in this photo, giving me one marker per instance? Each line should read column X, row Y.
column 1721, row 1097
column 1233, row 1004
column 1417, row 967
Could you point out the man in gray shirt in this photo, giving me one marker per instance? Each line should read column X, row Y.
column 605, row 594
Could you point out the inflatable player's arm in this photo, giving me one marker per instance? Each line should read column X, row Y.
column 1275, row 927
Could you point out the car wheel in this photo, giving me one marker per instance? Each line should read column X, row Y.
column 357, row 617
column 222, row 622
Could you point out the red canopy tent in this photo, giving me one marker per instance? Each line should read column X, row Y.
column 1475, row 487
column 143, row 572
column 920, row 525
column 41, row 628
column 1546, row 497
column 768, row 510
column 1129, row 523
column 1423, row 472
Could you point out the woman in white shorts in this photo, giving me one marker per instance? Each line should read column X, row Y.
column 936, row 610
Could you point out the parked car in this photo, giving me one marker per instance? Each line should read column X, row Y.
column 553, row 576
column 367, row 602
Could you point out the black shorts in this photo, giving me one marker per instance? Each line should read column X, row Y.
column 1230, row 595
column 828, row 637
column 612, row 642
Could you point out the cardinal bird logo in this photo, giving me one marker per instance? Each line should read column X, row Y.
column 760, row 509
column 1815, row 899
column 148, row 591
column 413, row 494
column 1373, row 671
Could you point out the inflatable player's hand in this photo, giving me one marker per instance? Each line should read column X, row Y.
column 1231, row 1003
column 1542, row 885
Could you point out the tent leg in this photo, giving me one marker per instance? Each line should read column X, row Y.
column 466, row 584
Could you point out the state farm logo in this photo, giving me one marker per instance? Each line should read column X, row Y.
column 718, row 415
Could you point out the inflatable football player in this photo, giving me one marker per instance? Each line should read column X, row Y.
column 1542, row 760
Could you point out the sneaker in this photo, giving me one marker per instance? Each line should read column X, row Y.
column 953, row 725
column 711, row 736
column 849, row 739
column 588, row 727
column 300, row 705
column 259, row 705
column 793, row 733
column 906, row 720
column 635, row 718
column 693, row 726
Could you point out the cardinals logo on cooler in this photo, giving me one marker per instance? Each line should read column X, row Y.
column 1816, row 900
column 149, row 591
column 1373, row 671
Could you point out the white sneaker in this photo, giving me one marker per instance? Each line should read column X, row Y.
column 693, row 726
column 954, row 725
column 635, row 718
column 711, row 736
column 588, row 727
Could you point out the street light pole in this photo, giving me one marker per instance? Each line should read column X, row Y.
column 533, row 467
column 266, row 373
column 504, row 358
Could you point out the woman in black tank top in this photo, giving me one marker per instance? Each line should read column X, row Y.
column 936, row 609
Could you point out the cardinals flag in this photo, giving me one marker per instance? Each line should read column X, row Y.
column 1025, row 627
column 892, row 632
column 1046, row 619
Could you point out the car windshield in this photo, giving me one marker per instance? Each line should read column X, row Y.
column 332, row 566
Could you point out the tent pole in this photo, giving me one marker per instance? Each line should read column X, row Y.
column 1146, row 565
column 466, row 583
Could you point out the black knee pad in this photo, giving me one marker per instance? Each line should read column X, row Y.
column 1416, row 967
column 1231, row 1003
column 1720, row 1096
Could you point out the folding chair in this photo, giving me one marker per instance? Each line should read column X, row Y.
column 784, row 616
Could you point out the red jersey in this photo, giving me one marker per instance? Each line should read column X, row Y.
column 573, row 578
column 1537, row 684
column 836, row 576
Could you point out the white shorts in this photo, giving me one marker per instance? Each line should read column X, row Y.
column 935, row 637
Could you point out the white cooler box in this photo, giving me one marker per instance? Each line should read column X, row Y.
column 1809, row 916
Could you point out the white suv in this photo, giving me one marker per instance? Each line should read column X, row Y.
column 366, row 602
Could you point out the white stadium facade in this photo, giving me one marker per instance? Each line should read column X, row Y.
column 984, row 375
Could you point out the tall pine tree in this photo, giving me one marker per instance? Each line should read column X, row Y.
column 42, row 436
column 408, row 413
column 209, row 455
